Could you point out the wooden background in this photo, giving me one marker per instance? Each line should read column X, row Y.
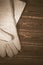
column 30, row 30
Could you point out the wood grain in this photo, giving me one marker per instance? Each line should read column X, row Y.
column 30, row 31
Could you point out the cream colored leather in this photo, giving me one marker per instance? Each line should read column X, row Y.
column 9, row 40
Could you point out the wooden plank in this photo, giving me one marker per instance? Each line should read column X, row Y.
column 36, row 2
column 31, row 37
column 32, row 51
column 30, row 30
column 31, row 24
column 34, row 8
column 23, row 61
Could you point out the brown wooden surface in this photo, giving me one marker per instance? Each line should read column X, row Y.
column 30, row 30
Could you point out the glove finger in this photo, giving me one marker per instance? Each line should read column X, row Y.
column 8, row 50
column 2, row 48
column 11, row 44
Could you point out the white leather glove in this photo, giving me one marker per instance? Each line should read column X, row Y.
column 9, row 41
column 18, row 9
